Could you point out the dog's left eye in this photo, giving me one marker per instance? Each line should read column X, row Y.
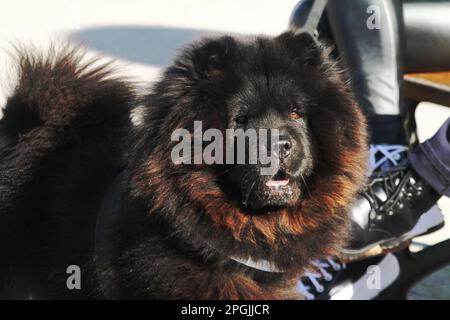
column 241, row 120
column 296, row 114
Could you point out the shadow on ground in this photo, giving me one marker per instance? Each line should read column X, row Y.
column 152, row 45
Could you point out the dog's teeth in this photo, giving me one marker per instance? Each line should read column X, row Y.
column 277, row 183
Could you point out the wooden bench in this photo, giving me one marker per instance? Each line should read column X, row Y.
column 433, row 87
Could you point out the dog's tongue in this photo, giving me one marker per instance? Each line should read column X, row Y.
column 277, row 183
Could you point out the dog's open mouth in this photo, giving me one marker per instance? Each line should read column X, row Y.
column 279, row 180
column 274, row 192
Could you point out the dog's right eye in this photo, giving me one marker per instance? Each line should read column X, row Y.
column 241, row 120
column 296, row 114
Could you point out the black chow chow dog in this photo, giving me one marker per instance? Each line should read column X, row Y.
column 81, row 186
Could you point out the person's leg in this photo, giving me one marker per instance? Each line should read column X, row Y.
column 374, row 57
column 431, row 160
column 392, row 207
column 426, row 27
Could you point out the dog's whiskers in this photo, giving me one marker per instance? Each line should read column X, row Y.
column 306, row 185
column 247, row 195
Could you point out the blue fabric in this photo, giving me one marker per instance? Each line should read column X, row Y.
column 431, row 160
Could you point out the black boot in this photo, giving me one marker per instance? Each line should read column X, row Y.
column 396, row 206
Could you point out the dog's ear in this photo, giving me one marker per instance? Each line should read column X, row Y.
column 213, row 55
column 302, row 47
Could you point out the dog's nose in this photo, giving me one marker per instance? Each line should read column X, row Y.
column 284, row 146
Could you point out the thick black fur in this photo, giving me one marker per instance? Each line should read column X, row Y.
column 66, row 134
column 61, row 146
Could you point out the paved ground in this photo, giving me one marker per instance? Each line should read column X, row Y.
column 436, row 286
column 143, row 36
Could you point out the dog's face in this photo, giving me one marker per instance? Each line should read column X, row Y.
column 294, row 154
column 271, row 96
column 270, row 85
column 292, row 89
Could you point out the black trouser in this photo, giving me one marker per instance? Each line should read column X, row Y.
column 411, row 36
